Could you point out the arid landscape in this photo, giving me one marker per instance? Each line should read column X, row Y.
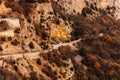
column 59, row 40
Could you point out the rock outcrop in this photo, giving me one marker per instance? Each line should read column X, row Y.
column 112, row 6
column 76, row 6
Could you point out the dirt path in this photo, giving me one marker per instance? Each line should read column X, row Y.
column 35, row 54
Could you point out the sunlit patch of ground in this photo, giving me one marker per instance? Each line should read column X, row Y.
column 61, row 32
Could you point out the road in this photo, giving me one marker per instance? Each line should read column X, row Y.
column 35, row 54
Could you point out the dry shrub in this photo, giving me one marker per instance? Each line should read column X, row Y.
column 56, row 51
column 107, row 38
column 112, row 72
column 63, row 50
column 97, row 65
column 92, row 57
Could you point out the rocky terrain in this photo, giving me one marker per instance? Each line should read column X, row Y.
column 59, row 40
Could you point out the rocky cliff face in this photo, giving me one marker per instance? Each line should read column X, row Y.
column 60, row 40
column 76, row 6
column 112, row 6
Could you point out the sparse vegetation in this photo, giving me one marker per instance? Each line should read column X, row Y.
column 39, row 61
column 36, row 49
